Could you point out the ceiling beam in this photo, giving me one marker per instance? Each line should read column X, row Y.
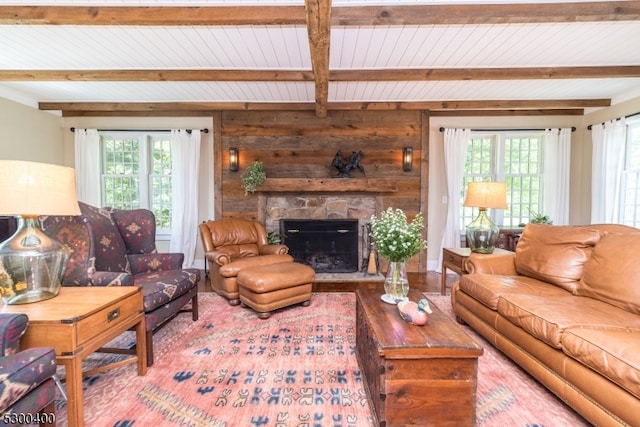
column 433, row 113
column 319, row 30
column 334, row 106
column 152, row 15
column 157, row 75
column 517, row 73
column 424, row 74
column 488, row 13
column 347, row 16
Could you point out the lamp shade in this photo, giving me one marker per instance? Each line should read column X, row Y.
column 32, row 264
column 31, row 189
column 486, row 195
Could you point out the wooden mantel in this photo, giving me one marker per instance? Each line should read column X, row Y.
column 333, row 185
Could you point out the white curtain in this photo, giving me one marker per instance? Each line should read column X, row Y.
column 557, row 162
column 455, row 155
column 87, row 165
column 185, row 160
column 606, row 169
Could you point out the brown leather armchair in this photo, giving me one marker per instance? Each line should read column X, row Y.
column 231, row 245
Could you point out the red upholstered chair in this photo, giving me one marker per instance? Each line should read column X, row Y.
column 27, row 386
column 231, row 245
column 111, row 247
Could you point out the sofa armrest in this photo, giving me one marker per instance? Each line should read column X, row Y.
column 232, row 269
column 111, row 278
column 23, row 372
column 503, row 264
column 219, row 257
column 273, row 249
column 12, row 327
column 145, row 263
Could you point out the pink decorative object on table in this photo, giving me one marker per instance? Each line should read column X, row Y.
column 414, row 313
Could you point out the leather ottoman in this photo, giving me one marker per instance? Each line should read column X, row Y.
column 267, row 288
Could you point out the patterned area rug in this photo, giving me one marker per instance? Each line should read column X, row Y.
column 298, row 368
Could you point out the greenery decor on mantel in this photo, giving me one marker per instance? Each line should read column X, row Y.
column 253, row 177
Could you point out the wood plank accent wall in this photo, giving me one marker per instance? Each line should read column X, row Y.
column 297, row 144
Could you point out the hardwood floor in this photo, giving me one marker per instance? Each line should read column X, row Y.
column 429, row 282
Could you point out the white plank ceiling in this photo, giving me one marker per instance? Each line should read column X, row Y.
column 286, row 48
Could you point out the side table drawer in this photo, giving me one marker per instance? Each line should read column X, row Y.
column 107, row 318
column 453, row 258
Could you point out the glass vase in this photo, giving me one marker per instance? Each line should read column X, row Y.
column 396, row 284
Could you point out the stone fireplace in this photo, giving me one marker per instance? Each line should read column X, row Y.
column 312, row 206
column 326, row 245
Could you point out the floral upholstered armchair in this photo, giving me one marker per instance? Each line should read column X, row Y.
column 27, row 386
column 112, row 247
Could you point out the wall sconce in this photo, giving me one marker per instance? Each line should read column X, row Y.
column 407, row 159
column 233, row 159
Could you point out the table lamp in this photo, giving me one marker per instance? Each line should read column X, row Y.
column 32, row 263
column 482, row 233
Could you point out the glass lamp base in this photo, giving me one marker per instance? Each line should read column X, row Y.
column 482, row 234
column 31, row 264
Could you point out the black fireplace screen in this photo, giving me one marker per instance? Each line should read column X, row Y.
column 327, row 245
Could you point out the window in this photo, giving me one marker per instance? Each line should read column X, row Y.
column 136, row 173
column 513, row 158
column 630, row 195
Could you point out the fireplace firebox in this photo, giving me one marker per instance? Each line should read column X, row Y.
column 326, row 245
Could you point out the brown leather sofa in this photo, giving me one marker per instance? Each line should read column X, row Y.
column 232, row 245
column 565, row 307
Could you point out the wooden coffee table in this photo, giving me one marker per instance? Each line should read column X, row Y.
column 415, row 375
column 78, row 322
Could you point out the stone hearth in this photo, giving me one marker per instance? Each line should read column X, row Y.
column 313, row 206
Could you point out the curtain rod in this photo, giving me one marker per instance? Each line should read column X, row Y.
column 205, row 130
column 626, row 117
column 573, row 129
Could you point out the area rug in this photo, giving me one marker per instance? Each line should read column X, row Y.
column 298, row 368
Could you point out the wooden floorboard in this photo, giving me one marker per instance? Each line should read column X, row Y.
column 429, row 282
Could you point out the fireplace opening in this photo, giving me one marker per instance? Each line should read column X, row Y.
column 326, row 245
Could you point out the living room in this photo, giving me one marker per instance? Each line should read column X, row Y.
column 295, row 143
column 297, row 138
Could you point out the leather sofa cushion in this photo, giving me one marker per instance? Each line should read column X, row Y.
column 273, row 277
column 612, row 276
column 233, row 268
column 555, row 254
column 237, row 237
column 488, row 288
column 547, row 316
column 610, row 351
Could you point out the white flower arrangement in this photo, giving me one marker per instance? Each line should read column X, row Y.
column 395, row 238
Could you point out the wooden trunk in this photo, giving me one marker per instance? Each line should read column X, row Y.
column 415, row 375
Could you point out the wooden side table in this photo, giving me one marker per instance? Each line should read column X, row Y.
column 78, row 322
column 453, row 259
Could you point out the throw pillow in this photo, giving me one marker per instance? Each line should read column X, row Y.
column 137, row 228
column 110, row 250
column 611, row 275
column 555, row 254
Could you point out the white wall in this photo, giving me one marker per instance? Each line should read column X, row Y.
column 30, row 134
